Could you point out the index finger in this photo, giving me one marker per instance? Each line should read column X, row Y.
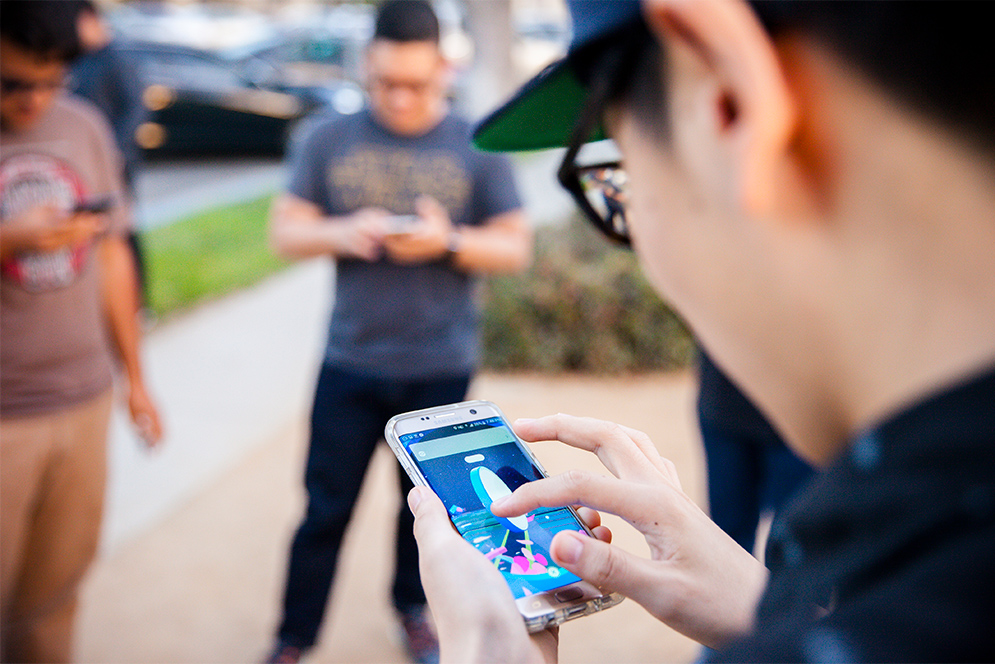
column 627, row 453
column 643, row 507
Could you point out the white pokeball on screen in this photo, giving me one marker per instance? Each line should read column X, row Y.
column 489, row 487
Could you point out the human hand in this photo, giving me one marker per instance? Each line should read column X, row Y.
column 473, row 608
column 361, row 235
column 427, row 241
column 697, row 579
column 47, row 227
column 145, row 416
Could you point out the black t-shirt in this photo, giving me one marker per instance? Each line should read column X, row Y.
column 890, row 555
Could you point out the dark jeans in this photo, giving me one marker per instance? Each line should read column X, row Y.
column 347, row 421
column 747, row 476
column 750, row 469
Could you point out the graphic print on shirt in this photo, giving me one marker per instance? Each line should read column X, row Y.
column 26, row 181
column 393, row 179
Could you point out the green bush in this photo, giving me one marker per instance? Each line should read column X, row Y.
column 582, row 306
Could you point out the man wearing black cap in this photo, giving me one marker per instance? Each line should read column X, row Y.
column 411, row 213
column 813, row 186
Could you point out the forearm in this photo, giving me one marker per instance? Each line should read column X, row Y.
column 296, row 240
column 121, row 305
column 299, row 229
column 502, row 246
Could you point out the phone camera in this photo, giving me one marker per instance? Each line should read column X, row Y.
column 473, row 411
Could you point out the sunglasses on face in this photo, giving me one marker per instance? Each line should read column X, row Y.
column 15, row 86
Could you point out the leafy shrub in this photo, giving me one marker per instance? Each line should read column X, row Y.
column 582, row 306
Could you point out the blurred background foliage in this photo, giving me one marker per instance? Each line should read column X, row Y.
column 583, row 306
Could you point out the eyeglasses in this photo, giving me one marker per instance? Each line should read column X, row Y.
column 599, row 189
column 416, row 88
column 15, row 86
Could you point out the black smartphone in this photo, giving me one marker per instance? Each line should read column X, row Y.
column 94, row 205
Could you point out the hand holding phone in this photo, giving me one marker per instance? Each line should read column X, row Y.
column 468, row 455
column 482, row 625
column 48, row 227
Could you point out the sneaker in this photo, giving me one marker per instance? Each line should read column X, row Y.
column 419, row 636
column 284, row 653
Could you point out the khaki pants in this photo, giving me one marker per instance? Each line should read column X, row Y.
column 52, row 476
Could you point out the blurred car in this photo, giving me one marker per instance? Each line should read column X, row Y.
column 202, row 102
column 299, row 60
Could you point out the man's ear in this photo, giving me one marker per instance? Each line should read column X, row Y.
column 732, row 111
column 447, row 72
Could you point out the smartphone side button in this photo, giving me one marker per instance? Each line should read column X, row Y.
column 568, row 595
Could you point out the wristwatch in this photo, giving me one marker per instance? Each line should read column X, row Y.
column 452, row 247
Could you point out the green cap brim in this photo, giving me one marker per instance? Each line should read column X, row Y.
column 542, row 115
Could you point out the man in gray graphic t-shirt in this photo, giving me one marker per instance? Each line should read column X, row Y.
column 411, row 213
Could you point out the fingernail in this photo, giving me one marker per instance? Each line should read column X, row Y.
column 414, row 499
column 524, row 420
column 569, row 548
column 500, row 501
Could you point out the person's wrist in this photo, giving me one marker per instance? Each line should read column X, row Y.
column 337, row 235
column 488, row 637
column 454, row 243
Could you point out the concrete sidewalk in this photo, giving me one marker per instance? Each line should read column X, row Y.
column 196, row 535
column 227, row 376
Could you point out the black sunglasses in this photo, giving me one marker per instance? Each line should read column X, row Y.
column 12, row 86
column 599, row 189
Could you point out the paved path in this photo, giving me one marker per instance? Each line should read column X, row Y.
column 228, row 376
column 171, row 189
column 194, row 550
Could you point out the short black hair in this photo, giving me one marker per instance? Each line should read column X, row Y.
column 934, row 56
column 407, row 21
column 45, row 28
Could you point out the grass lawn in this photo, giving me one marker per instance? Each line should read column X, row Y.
column 208, row 255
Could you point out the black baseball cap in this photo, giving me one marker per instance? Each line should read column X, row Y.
column 543, row 113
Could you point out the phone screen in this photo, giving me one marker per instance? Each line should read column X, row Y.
column 471, row 464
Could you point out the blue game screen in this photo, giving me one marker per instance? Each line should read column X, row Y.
column 469, row 465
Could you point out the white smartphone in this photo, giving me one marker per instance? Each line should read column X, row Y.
column 469, row 456
column 401, row 224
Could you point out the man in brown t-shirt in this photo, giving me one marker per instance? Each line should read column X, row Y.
column 67, row 297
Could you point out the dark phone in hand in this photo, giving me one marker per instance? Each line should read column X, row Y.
column 95, row 206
